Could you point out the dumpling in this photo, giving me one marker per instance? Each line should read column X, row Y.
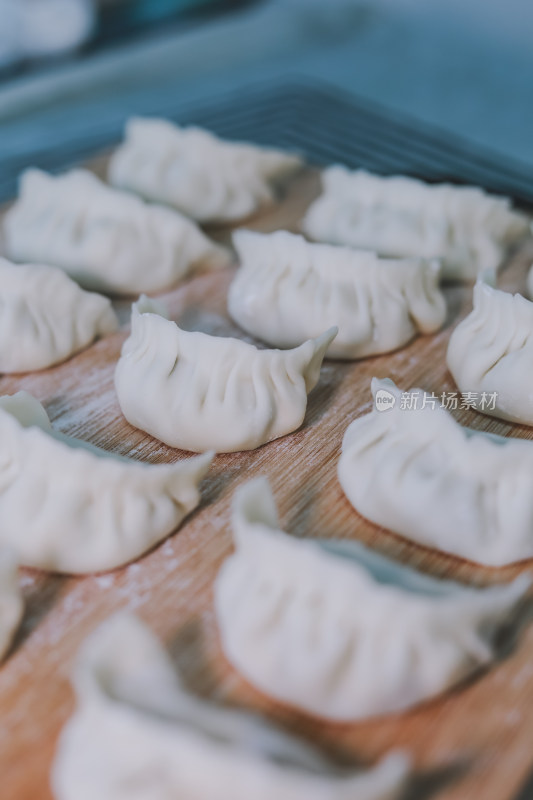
column 339, row 631
column 137, row 732
column 468, row 229
column 11, row 603
column 104, row 239
column 45, row 317
column 206, row 178
column 410, row 467
column 490, row 354
column 201, row 392
column 70, row 507
column 288, row 290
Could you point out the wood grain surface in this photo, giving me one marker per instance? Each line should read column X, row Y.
column 473, row 742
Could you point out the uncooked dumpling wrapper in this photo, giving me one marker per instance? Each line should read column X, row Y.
column 490, row 354
column 46, row 318
column 288, row 290
column 410, row 467
column 206, row 178
column 67, row 506
column 104, row 239
column 467, row 229
column 137, row 733
column 339, row 631
column 200, row 392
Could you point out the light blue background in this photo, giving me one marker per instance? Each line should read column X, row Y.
column 465, row 66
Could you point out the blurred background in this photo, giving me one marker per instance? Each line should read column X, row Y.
column 437, row 88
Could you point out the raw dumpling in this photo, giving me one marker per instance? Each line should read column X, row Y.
column 468, row 229
column 201, row 392
column 104, row 239
column 339, row 631
column 137, row 733
column 11, row 604
column 70, row 507
column 490, row 354
column 410, row 467
column 204, row 177
column 45, row 317
column 288, row 290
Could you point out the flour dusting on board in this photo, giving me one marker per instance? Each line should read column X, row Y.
column 171, row 587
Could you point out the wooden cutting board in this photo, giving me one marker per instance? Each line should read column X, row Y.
column 474, row 742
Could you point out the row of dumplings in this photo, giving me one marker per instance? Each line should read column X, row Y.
column 287, row 290
column 308, row 623
column 329, row 628
column 413, row 470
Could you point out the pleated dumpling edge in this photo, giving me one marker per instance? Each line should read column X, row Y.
column 106, row 240
column 200, row 392
column 337, row 630
column 46, row 317
column 466, row 228
column 207, row 178
column 409, row 466
column 490, row 352
column 287, row 290
column 70, row 507
column 139, row 725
